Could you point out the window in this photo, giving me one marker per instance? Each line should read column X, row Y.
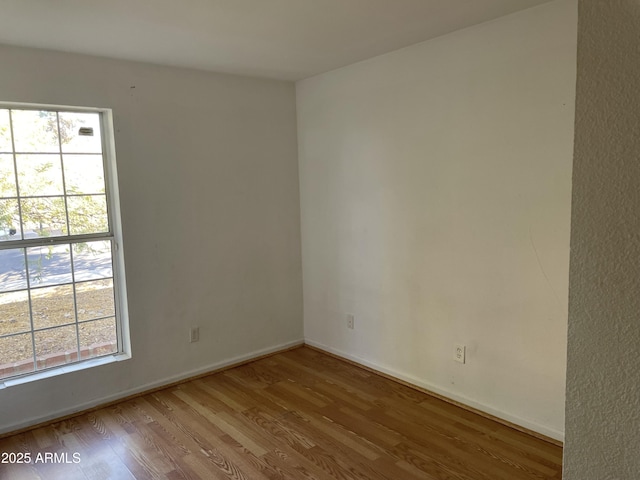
column 61, row 269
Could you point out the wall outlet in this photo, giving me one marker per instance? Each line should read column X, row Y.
column 350, row 321
column 459, row 352
column 194, row 334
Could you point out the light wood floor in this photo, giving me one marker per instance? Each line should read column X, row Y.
column 295, row 415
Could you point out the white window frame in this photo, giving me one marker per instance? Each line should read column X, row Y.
column 114, row 235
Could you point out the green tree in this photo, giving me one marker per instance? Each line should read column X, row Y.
column 46, row 215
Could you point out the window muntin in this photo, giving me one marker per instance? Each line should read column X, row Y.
column 59, row 296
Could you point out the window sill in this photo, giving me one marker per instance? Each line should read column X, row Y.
column 74, row 367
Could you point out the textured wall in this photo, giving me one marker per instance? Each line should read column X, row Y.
column 603, row 371
column 435, row 199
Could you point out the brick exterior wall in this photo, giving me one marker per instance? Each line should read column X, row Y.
column 57, row 359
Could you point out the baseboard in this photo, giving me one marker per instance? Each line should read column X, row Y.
column 102, row 402
column 540, row 431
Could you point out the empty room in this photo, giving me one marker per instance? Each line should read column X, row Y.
column 323, row 239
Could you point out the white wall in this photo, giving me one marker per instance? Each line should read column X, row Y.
column 603, row 375
column 435, row 199
column 209, row 193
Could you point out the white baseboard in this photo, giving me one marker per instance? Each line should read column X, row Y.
column 147, row 387
column 528, row 424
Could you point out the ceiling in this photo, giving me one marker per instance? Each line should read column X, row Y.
column 285, row 39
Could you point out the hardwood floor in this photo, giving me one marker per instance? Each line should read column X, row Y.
column 295, row 415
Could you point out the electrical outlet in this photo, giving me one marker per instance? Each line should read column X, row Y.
column 350, row 321
column 194, row 334
column 459, row 352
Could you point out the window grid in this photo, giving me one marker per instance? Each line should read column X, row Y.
column 65, row 238
column 73, row 278
column 15, row 173
column 44, row 329
column 64, row 184
column 26, row 263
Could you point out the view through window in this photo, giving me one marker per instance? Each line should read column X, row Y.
column 58, row 285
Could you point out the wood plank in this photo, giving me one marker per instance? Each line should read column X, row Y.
column 299, row 414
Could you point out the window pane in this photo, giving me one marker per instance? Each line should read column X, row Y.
column 98, row 338
column 88, row 214
column 5, row 132
column 54, row 295
column 49, row 265
column 9, row 220
column 55, row 346
column 83, row 174
column 80, row 141
column 7, row 176
column 16, row 355
column 43, row 217
column 35, row 131
column 39, row 175
column 52, row 306
column 95, row 299
column 92, row 260
column 14, row 316
column 13, row 274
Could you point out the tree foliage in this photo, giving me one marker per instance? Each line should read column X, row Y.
column 44, row 208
